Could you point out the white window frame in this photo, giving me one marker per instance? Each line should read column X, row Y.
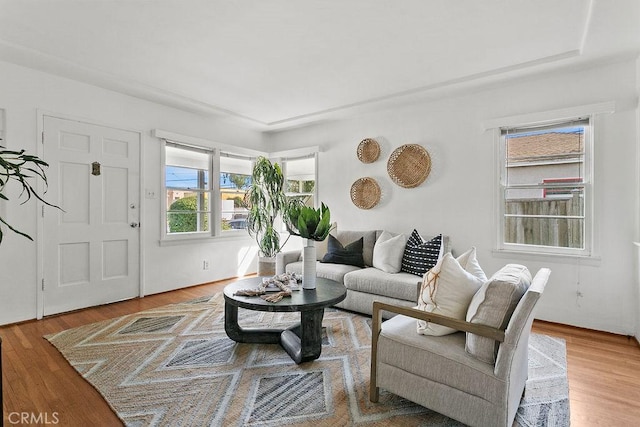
column 215, row 232
column 283, row 162
column 210, row 191
column 218, row 212
column 282, row 157
column 549, row 118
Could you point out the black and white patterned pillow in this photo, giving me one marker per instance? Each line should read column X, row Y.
column 420, row 255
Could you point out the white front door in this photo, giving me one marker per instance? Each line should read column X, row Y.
column 91, row 246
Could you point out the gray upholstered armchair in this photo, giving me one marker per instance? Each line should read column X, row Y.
column 437, row 372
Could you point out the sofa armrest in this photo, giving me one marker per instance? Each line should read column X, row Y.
column 284, row 258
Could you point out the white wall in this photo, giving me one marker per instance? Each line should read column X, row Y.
column 457, row 199
column 24, row 91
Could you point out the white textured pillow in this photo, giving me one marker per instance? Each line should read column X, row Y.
column 469, row 262
column 493, row 305
column 388, row 251
column 446, row 289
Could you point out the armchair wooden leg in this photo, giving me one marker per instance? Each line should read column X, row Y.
column 376, row 323
column 374, row 394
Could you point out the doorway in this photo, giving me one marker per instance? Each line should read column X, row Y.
column 91, row 246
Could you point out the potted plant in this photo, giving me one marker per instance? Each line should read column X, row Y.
column 265, row 200
column 22, row 168
column 313, row 225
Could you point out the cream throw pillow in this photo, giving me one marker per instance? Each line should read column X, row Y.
column 469, row 262
column 447, row 289
column 388, row 252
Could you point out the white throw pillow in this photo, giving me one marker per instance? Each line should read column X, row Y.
column 469, row 262
column 388, row 251
column 447, row 289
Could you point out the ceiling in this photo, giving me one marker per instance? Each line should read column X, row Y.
column 282, row 63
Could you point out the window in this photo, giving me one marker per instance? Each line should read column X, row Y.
column 545, row 188
column 204, row 188
column 300, row 177
column 235, row 179
column 188, row 189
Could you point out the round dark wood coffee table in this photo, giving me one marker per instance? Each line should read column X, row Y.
column 303, row 341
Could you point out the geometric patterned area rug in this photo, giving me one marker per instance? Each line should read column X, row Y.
column 175, row 366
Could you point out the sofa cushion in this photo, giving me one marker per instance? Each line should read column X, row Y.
column 370, row 280
column 349, row 254
column 420, row 255
column 447, row 289
column 493, row 305
column 368, row 242
column 388, row 252
column 321, row 247
column 328, row 271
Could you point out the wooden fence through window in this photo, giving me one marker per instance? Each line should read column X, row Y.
column 532, row 230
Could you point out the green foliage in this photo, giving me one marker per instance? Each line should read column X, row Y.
column 307, row 186
column 239, row 181
column 238, row 202
column 307, row 222
column 181, row 219
column 265, row 200
column 21, row 168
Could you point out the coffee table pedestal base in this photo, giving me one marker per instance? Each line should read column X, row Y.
column 302, row 342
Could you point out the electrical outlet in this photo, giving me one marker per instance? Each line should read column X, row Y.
column 205, row 265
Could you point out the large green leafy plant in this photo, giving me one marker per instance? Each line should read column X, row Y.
column 24, row 169
column 266, row 200
column 307, row 222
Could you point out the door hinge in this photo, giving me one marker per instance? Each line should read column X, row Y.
column 43, row 284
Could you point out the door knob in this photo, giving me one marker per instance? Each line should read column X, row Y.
column 135, row 224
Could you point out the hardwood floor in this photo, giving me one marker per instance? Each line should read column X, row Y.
column 604, row 375
column 41, row 387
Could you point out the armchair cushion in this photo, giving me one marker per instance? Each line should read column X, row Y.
column 441, row 360
column 493, row 305
column 447, row 289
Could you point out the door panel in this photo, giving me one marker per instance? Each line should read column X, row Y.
column 91, row 251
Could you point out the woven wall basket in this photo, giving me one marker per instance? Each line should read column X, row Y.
column 409, row 165
column 368, row 150
column 365, row 193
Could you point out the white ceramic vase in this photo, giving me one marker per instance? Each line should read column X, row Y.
column 309, row 265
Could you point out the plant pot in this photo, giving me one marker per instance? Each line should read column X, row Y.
column 266, row 266
column 309, row 265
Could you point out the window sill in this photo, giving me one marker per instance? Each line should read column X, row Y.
column 511, row 253
column 199, row 238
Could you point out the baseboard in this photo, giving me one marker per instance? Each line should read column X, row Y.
column 579, row 329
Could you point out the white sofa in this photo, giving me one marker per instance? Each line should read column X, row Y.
column 364, row 285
